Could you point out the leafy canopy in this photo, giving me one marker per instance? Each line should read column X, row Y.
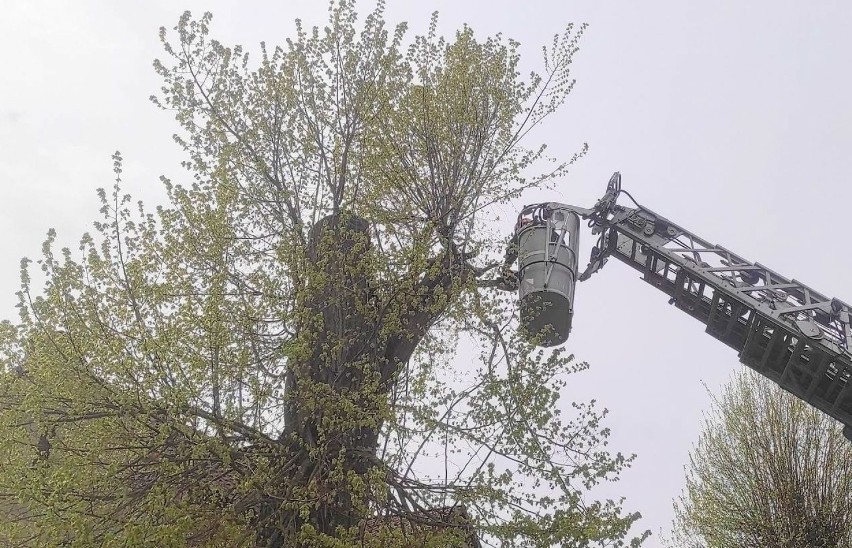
column 768, row 470
column 272, row 357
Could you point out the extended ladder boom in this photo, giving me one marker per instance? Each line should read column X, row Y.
column 780, row 327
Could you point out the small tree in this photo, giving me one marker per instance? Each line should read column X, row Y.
column 269, row 360
column 768, row 470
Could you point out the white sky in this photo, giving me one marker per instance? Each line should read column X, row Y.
column 731, row 118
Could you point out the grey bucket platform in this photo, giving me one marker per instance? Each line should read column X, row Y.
column 547, row 274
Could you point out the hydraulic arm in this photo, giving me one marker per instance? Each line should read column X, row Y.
column 780, row 327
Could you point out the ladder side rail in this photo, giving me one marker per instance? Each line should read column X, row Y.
column 780, row 297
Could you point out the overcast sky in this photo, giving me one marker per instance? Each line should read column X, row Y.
column 730, row 118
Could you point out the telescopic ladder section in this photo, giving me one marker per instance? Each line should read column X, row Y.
column 781, row 328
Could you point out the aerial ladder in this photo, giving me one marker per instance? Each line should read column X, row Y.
column 780, row 327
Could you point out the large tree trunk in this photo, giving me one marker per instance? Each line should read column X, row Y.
column 338, row 389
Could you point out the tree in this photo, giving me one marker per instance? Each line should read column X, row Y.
column 768, row 470
column 270, row 359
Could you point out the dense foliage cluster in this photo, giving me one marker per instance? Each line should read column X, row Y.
column 271, row 359
column 769, row 470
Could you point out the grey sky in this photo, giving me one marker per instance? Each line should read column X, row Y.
column 731, row 118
